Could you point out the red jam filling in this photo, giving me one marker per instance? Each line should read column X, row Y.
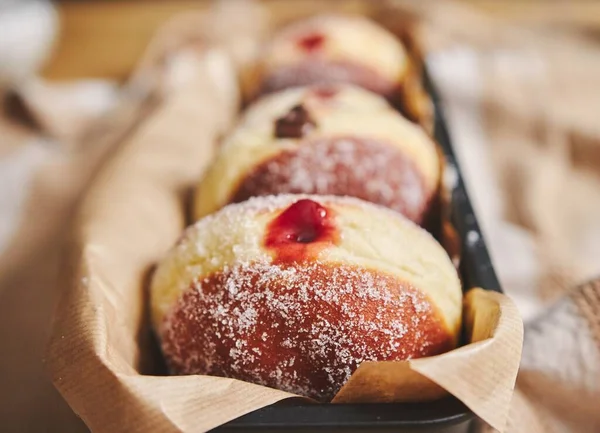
column 301, row 231
column 325, row 92
column 312, row 41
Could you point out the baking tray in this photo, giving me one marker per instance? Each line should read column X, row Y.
column 447, row 415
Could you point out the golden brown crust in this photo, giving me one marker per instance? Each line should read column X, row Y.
column 302, row 328
column 359, row 167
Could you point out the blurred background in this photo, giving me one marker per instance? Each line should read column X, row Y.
column 105, row 39
column 520, row 81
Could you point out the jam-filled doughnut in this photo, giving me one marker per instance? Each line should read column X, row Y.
column 332, row 49
column 335, row 139
column 294, row 292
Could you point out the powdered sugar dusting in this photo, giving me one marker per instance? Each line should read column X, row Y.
column 303, row 328
column 358, row 167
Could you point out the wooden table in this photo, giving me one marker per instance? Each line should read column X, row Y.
column 105, row 38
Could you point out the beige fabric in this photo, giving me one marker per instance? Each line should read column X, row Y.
column 41, row 183
column 534, row 177
column 534, row 93
column 522, row 106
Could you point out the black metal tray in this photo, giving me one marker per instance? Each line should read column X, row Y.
column 448, row 415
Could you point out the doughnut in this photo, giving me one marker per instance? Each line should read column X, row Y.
column 329, row 140
column 294, row 292
column 331, row 49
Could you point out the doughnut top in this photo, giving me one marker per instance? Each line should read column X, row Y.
column 336, row 48
column 316, row 98
column 278, row 234
column 335, row 120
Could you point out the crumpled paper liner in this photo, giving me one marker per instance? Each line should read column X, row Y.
column 102, row 350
